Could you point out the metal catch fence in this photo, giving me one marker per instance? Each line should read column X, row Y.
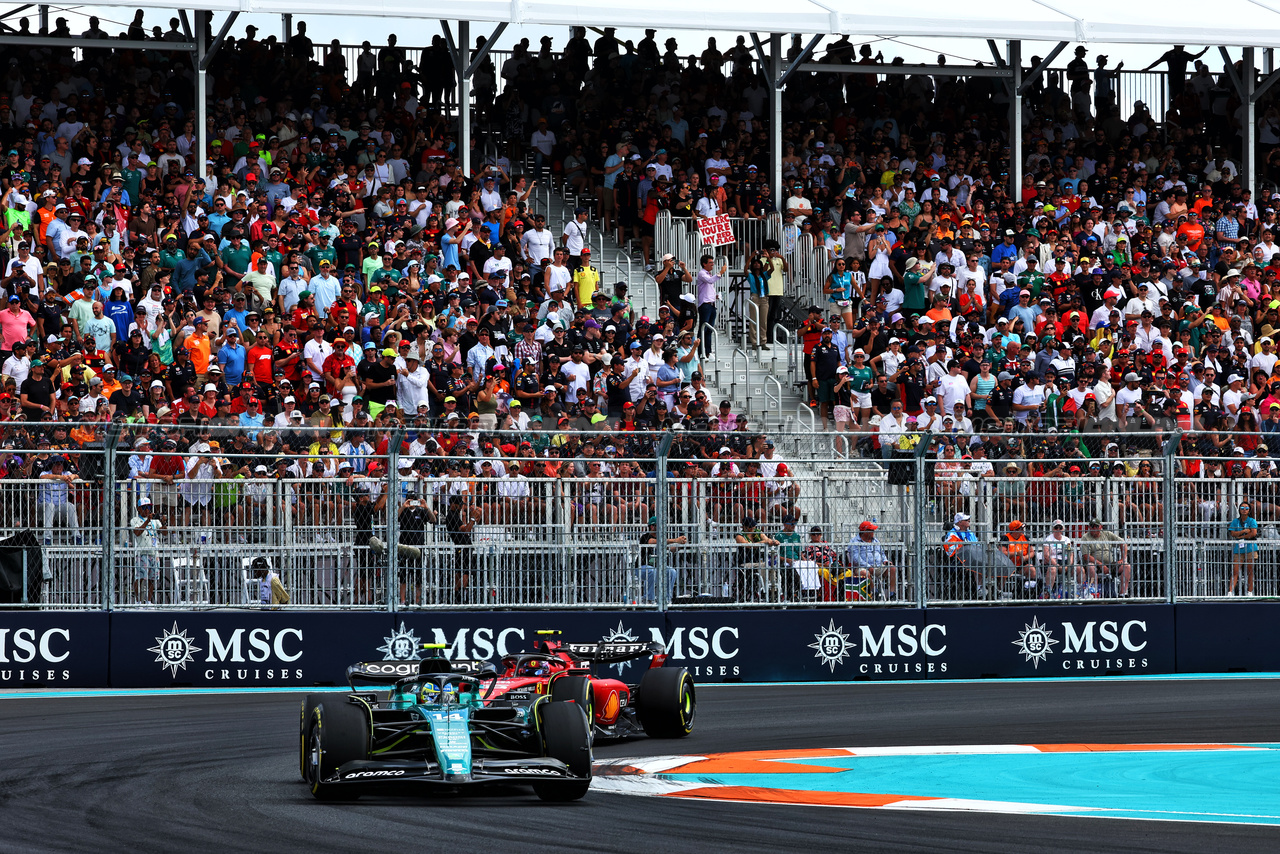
column 776, row 521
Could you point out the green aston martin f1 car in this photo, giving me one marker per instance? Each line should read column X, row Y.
column 433, row 728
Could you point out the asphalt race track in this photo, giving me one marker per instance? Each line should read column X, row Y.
column 219, row 772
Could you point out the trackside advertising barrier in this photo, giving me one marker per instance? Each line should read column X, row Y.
column 306, row 648
column 56, row 649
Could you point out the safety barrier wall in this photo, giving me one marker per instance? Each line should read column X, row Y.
column 164, row 648
column 573, row 531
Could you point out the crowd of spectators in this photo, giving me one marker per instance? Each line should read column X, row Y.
column 335, row 269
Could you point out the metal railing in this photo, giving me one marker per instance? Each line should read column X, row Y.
column 1130, row 86
column 1076, row 517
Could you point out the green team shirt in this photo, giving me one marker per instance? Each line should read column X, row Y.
column 316, row 254
column 860, row 378
column 1197, row 332
column 237, row 259
column 913, row 297
column 383, row 277
column 1032, row 281
column 369, row 267
column 275, row 259
column 133, row 183
column 169, row 260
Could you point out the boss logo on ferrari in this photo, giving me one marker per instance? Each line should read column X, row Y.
column 546, row 772
column 358, row 774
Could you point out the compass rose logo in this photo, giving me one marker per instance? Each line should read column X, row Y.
column 403, row 645
column 1035, row 641
column 174, row 649
column 620, row 634
column 832, row 644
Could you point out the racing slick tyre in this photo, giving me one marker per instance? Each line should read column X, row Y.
column 666, row 702
column 309, row 704
column 575, row 689
column 339, row 734
column 567, row 737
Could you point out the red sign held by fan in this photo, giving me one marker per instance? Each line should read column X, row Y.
column 716, row 231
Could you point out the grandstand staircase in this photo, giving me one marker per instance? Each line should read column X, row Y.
column 765, row 384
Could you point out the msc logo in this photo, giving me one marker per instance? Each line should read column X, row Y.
column 175, row 649
column 1097, row 644
column 403, row 645
column 832, row 645
column 1035, row 642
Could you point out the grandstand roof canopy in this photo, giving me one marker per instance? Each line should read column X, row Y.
column 1223, row 22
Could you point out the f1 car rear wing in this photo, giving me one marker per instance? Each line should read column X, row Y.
column 391, row 672
column 609, row 653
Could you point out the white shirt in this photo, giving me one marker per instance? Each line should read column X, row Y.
column 579, row 377
column 17, row 368
column 953, row 391
column 412, row 389
column 536, row 244
column 501, row 265
column 1126, row 398
column 1025, row 395
column 543, row 140
column 637, row 364
column 1136, row 306
column 315, row 352
column 575, row 235
column 1265, row 361
column 964, row 275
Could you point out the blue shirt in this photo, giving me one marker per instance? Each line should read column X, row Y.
column 232, row 359
column 121, row 314
column 237, row 315
column 448, row 251
column 1244, row 546
column 184, row 272
column 247, row 420
column 865, row 555
column 1000, row 252
column 217, row 221
column 609, row 177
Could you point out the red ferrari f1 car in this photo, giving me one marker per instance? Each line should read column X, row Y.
column 661, row 705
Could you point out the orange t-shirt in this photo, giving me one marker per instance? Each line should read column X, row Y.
column 198, row 346
column 1194, row 232
column 43, row 218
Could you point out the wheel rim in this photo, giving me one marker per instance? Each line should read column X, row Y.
column 313, row 756
column 687, row 707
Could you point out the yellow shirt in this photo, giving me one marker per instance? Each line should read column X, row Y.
column 586, row 281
